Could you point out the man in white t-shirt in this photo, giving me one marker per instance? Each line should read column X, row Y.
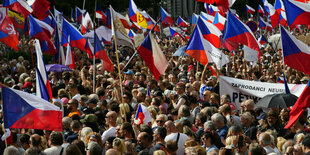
column 110, row 119
column 173, row 134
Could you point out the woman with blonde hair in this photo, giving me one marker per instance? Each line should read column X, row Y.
column 119, row 145
column 159, row 152
column 94, row 137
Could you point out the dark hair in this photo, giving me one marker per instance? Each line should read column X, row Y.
column 75, row 125
column 146, row 128
column 210, row 135
column 24, row 138
column 80, row 144
column 73, row 149
column 162, row 132
column 35, row 142
column 56, row 138
column 129, row 95
column 172, row 146
column 114, row 107
column 128, row 127
column 201, row 117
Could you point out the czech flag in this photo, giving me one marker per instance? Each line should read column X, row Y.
column 8, row 33
column 261, row 10
column 79, row 14
column 43, row 87
column 41, row 9
column 262, row 39
column 296, row 53
column 282, row 19
column 209, row 32
column 100, row 14
column 49, row 31
column 35, row 31
column 19, row 6
column 76, row 39
column 182, row 22
column 152, row 55
column 100, row 53
column 143, row 115
column 250, row 10
column 132, row 11
column 237, row 32
column 278, row 5
column 274, row 15
column 198, row 47
column 300, row 106
column 165, row 17
column 22, row 110
column 264, row 25
column 194, row 19
column 219, row 21
column 207, row 17
column 297, row 13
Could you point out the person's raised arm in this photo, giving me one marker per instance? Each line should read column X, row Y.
column 203, row 75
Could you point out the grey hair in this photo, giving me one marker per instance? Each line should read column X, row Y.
column 250, row 102
column 256, row 149
column 247, row 116
column 162, row 116
column 84, row 133
column 264, row 140
column 209, row 125
column 218, row 117
column 94, row 147
column 11, row 150
column 287, row 144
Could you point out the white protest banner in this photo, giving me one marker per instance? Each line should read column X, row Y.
column 250, row 54
column 240, row 90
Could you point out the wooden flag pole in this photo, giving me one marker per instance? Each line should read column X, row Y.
column 119, row 70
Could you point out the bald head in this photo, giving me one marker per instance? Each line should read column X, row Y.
column 111, row 152
column 169, row 125
column 264, row 139
column 111, row 118
column 35, row 140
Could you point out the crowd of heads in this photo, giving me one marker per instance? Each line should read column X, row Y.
column 188, row 114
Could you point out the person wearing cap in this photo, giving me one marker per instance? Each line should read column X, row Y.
column 90, row 120
column 128, row 77
column 306, row 145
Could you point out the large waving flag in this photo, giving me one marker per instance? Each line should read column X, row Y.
column 45, row 27
column 182, row 22
column 132, row 11
column 237, row 32
column 22, row 110
column 8, row 34
column 41, row 9
column 198, row 47
column 76, row 39
column 300, row 106
column 210, row 32
column 43, row 87
column 219, row 21
column 175, row 33
column 118, row 29
column 143, row 115
column 35, row 31
column 283, row 19
column 296, row 53
column 264, row 25
column 100, row 53
column 19, row 6
column 250, row 10
column 297, row 13
column 152, row 55
column 165, row 17
column 207, row 17
column 87, row 23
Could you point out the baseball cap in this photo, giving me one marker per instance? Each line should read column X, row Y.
column 92, row 100
column 129, row 72
column 306, row 141
column 27, row 84
column 90, row 118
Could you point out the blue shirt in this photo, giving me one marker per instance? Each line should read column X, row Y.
column 222, row 132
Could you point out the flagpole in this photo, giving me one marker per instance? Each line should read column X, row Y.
column 84, row 4
column 94, row 61
column 5, row 141
column 118, row 68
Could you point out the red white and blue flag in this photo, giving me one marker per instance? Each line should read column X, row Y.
column 300, row 106
column 297, row 13
column 250, row 10
column 219, row 21
column 209, row 32
column 132, row 11
column 262, row 39
column 100, row 53
column 19, row 6
column 198, row 47
column 182, row 22
column 143, row 115
column 274, row 15
column 22, row 110
column 264, row 25
column 79, row 14
column 165, row 17
column 69, row 56
column 261, row 10
column 239, row 33
column 43, row 87
column 76, row 39
column 87, row 23
column 153, row 56
column 207, row 17
column 100, row 14
column 296, row 53
column 41, row 9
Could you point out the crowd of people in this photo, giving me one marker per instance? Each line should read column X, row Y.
column 189, row 116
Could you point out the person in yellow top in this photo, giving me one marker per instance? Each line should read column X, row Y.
column 73, row 108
